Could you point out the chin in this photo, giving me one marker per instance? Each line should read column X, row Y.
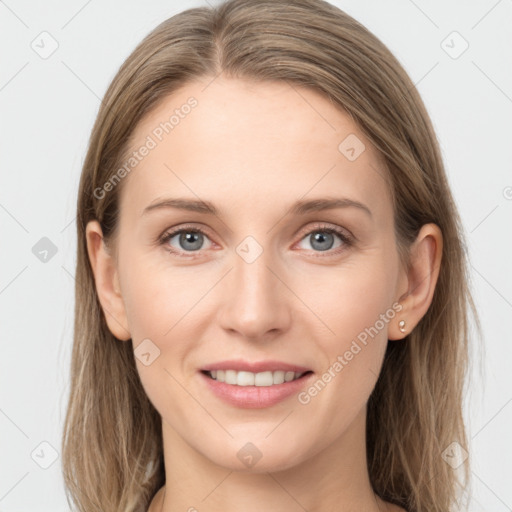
column 257, row 457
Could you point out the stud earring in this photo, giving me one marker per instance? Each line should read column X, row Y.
column 401, row 325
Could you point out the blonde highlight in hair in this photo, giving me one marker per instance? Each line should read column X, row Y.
column 112, row 453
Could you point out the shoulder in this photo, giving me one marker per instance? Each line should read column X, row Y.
column 395, row 508
column 156, row 502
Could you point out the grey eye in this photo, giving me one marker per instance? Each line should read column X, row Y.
column 322, row 240
column 189, row 240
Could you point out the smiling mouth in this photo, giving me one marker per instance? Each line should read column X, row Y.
column 260, row 379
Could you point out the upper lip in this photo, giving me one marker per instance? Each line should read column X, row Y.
column 255, row 366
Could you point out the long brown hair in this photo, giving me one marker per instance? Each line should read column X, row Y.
column 112, row 452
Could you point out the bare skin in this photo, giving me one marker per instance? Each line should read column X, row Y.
column 253, row 150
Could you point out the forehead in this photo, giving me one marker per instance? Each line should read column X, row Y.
column 260, row 144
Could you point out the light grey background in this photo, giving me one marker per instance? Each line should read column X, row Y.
column 48, row 106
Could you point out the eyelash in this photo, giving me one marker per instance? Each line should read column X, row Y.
column 347, row 240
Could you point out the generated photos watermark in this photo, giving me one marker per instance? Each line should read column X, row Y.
column 305, row 397
column 150, row 143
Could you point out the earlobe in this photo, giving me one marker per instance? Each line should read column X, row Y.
column 425, row 262
column 107, row 282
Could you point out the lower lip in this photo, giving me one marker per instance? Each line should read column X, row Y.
column 255, row 397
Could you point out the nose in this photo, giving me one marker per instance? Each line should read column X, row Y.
column 257, row 300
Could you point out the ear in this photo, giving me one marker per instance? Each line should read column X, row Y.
column 107, row 282
column 419, row 280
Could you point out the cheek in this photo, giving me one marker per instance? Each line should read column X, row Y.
column 356, row 306
column 352, row 304
column 157, row 301
column 352, row 298
column 156, row 298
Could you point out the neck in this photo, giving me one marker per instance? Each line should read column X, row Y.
column 335, row 478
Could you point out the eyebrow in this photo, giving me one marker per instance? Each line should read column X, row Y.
column 301, row 207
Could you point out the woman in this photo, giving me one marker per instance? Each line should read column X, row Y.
column 223, row 359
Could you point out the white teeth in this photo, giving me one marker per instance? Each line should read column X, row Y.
column 244, row 379
column 263, row 379
column 288, row 376
column 278, row 377
column 254, row 379
column 230, row 377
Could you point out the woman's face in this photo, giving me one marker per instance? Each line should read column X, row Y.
column 273, row 284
